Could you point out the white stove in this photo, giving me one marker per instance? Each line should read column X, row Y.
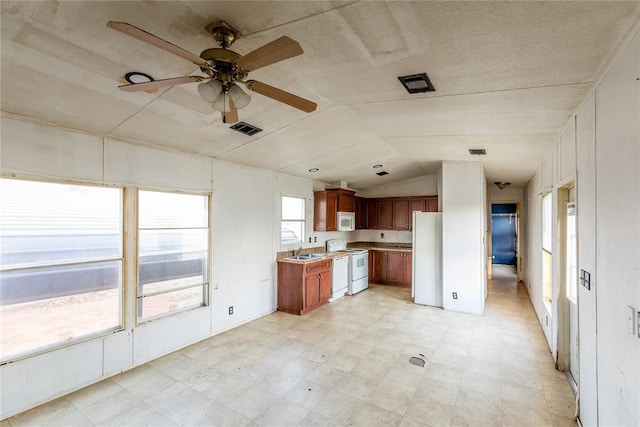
column 358, row 265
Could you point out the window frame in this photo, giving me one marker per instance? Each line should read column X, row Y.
column 122, row 289
column 547, row 252
column 206, row 287
column 303, row 221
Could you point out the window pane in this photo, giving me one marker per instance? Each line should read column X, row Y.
column 49, row 223
column 172, row 258
column 292, row 232
column 173, row 243
column 292, row 208
column 183, row 299
column 61, row 263
column 546, row 276
column 547, row 224
column 172, row 210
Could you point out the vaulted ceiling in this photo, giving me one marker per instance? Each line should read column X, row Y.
column 507, row 76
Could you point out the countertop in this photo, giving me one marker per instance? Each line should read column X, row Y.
column 372, row 246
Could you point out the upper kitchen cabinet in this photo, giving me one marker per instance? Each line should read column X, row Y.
column 326, row 206
column 361, row 213
column 396, row 213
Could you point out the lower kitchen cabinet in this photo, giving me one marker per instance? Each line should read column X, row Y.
column 303, row 287
column 391, row 267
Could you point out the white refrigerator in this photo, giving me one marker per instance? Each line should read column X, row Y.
column 426, row 283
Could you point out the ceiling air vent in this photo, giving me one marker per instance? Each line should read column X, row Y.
column 417, row 83
column 382, row 173
column 246, row 128
column 477, row 151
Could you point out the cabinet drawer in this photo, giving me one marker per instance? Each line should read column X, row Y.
column 317, row 266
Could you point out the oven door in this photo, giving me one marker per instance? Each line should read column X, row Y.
column 359, row 266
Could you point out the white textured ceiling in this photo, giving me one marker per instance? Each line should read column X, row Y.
column 507, row 76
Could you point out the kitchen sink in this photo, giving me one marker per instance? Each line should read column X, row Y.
column 305, row 257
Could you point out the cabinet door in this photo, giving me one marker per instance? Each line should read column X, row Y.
column 346, row 202
column 400, row 215
column 385, row 214
column 418, row 205
column 332, row 211
column 311, row 291
column 325, row 287
column 432, row 204
column 361, row 213
column 395, row 267
column 408, row 261
column 379, row 271
column 372, row 214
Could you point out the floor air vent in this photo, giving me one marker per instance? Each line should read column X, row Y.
column 246, row 128
column 477, row 151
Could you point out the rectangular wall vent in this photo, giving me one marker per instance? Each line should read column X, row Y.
column 477, row 151
column 417, row 83
column 382, row 173
column 246, row 128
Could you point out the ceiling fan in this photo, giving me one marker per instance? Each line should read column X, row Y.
column 223, row 68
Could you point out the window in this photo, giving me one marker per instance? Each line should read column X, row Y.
column 292, row 230
column 60, row 263
column 547, row 231
column 173, row 252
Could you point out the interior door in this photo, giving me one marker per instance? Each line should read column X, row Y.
column 571, row 273
column 503, row 238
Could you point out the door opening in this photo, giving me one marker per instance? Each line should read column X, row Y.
column 504, row 234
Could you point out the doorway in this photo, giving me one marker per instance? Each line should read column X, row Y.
column 504, row 234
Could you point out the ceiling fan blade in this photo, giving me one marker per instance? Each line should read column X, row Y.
column 281, row 95
column 270, row 53
column 230, row 116
column 157, row 84
column 139, row 34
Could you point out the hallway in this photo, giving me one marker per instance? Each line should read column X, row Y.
column 346, row 363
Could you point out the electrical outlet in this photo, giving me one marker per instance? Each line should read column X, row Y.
column 382, row 235
column 455, row 295
column 309, row 239
column 230, row 310
column 315, row 239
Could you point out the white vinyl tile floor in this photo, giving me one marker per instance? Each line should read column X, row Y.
column 346, row 363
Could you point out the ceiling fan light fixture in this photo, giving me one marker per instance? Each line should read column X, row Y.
column 221, row 103
column 240, row 98
column 209, row 91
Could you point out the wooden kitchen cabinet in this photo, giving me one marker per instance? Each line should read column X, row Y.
column 361, row 213
column 327, row 204
column 401, row 216
column 396, row 213
column 391, row 267
column 303, row 287
column 385, row 214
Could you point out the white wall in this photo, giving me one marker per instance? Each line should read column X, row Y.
column 606, row 131
column 618, row 238
column 245, row 222
column 463, row 236
column 422, row 186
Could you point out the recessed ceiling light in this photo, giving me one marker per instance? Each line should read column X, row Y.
column 137, row 77
column 314, row 170
column 378, row 166
column 417, row 83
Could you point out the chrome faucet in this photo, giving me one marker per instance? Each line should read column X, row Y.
column 296, row 252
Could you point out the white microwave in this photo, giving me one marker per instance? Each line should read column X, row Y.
column 346, row 221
